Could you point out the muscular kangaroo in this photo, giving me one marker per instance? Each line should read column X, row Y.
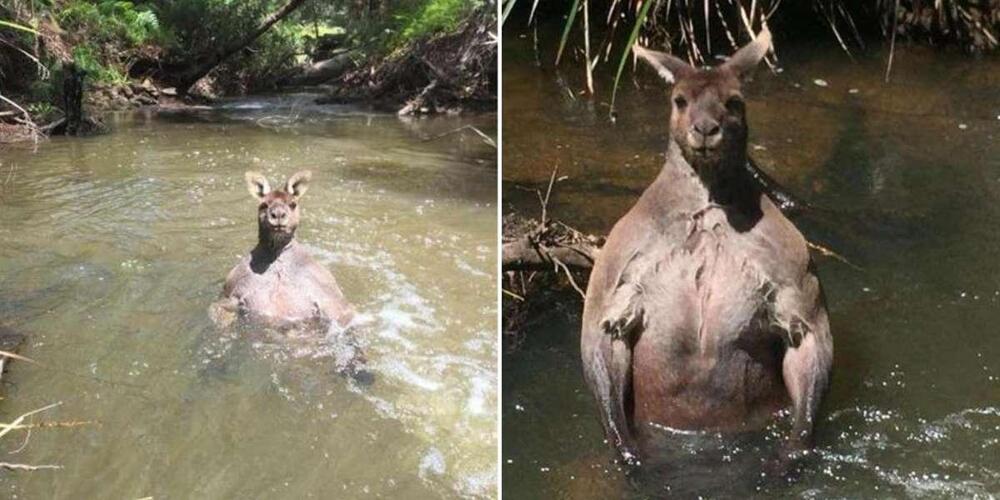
column 279, row 284
column 703, row 310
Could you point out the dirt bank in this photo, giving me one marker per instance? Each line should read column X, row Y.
column 446, row 73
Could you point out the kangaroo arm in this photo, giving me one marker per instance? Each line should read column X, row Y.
column 621, row 324
column 802, row 317
column 224, row 311
column 611, row 378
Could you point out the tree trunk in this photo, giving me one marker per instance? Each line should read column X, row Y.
column 73, row 98
column 188, row 78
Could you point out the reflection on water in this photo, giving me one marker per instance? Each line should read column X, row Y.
column 907, row 178
column 112, row 248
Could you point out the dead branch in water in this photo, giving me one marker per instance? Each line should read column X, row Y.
column 26, row 467
column 24, row 422
column 6, row 354
column 23, row 128
column 6, row 428
column 482, row 135
column 546, row 245
column 534, row 248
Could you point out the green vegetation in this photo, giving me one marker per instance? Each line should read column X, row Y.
column 435, row 16
column 117, row 40
column 110, row 21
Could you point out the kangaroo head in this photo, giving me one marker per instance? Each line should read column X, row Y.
column 708, row 119
column 278, row 212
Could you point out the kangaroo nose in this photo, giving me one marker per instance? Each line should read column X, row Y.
column 707, row 128
column 278, row 214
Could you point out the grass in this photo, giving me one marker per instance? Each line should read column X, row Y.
column 687, row 27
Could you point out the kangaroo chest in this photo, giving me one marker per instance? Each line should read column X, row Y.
column 707, row 346
column 282, row 293
column 709, row 289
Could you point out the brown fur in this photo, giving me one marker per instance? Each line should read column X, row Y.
column 279, row 284
column 703, row 311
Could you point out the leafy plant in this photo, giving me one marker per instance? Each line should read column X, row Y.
column 111, row 20
column 436, row 16
column 86, row 58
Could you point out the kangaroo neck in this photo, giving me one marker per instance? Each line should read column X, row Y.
column 271, row 244
column 725, row 179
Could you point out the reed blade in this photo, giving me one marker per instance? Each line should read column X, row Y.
column 566, row 29
column 639, row 20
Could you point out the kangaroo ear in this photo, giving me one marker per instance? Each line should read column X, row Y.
column 747, row 58
column 669, row 67
column 257, row 185
column 298, row 183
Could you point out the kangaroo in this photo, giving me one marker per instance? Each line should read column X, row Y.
column 703, row 310
column 279, row 284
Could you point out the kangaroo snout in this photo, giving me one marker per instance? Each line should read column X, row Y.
column 278, row 215
column 705, row 134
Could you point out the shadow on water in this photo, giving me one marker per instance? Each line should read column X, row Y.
column 904, row 179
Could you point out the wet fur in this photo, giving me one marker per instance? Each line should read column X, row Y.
column 279, row 284
column 703, row 310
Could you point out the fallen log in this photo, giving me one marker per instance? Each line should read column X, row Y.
column 187, row 78
column 546, row 247
column 326, row 70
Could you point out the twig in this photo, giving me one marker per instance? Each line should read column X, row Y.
column 548, row 192
column 569, row 274
column 892, row 44
column 10, row 175
column 14, row 105
column 27, row 437
column 43, row 72
column 52, row 425
column 586, row 45
column 13, row 425
column 17, row 357
column 826, row 252
column 486, row 138
column 26, row 467
column 512, row 294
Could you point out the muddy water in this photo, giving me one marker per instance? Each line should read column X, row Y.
column 907, row 178
column 112, row 248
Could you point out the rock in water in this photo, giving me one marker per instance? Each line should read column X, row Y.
column 10, row 341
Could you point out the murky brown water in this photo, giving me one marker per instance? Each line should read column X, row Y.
column 908, row 178
column 112, row 248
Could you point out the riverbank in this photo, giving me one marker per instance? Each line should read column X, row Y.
column 446, row 73
column 74, row 61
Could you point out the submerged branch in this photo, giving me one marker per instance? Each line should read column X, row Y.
column 26, row 467
column 482, row 135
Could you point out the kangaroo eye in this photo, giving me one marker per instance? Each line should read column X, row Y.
column 262, row 206
column 734, row 104
column 293, row 205
column 680, row 102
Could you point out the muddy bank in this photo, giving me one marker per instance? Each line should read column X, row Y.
column 447, row 73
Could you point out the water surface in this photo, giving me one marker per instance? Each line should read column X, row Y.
column 907, row 178
column 112, row 248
